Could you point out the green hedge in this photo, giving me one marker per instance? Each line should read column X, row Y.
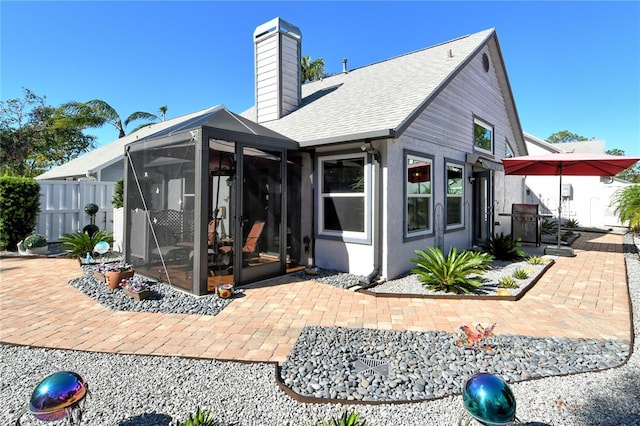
column 19, row 209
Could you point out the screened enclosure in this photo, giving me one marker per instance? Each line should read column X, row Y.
column 207, row 202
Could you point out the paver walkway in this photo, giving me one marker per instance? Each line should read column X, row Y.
column 584, row 296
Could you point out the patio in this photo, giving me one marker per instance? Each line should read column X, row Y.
column 581, row 297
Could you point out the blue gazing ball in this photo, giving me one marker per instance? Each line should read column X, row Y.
column 57, row 395
column 489, row 399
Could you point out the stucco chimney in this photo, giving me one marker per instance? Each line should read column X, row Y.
column 277, row 69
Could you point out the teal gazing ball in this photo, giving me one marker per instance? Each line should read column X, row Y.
column 57, row 396
column 489, row 399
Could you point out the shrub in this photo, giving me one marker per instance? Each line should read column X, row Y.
column 507, row 282
column 457, row 273
column 346, row 419
column 34, row 240
column 19, row 209
column 118, row 194
column 503, row 247
column 537, row 260
column 200, row 418
column 79, row 243
column 627, row 206
column 548, row 227
column 572, row 223
column 520, row 274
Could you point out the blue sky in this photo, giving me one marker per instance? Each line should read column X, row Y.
column 572, row 65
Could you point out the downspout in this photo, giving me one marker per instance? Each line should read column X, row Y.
column 374, row 277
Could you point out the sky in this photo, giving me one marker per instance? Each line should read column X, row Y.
column 571, row 65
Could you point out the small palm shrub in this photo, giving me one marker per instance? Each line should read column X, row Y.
column 347, row 419
column 521, row 274
column 200, row 418
column 80, row 243
column 503, row 247
column 627, row 206
column 507, row 282
column 456, row 273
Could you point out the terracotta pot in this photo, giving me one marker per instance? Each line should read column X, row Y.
column 114, row 278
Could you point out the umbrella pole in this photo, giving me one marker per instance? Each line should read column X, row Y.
column 560, row 207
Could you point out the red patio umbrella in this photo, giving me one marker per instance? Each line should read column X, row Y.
column 567, row 164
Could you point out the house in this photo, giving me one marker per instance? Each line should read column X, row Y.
column 354, row 172
column 586, row 199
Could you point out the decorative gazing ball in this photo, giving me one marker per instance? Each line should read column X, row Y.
column 57, row 395
column 489, row 399
column 102, row 247
column 225, row 291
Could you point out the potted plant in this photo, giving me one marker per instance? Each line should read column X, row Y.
column 115, row 272
column 34, row 244
column 136, row 288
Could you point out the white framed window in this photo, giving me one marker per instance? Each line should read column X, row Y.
column 343, row 194
column 454, row 190
column 482, row 136
column 419, row 195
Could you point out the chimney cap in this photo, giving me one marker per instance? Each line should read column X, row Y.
column 274, row 25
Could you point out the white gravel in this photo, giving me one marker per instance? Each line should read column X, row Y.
column 129, row 390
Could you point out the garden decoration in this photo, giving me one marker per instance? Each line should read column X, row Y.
column 136, row 288
column 59, row 395
column 225, row 291
column 489, row 400
column 34, row 244
column 102, row 247
column 475, row 338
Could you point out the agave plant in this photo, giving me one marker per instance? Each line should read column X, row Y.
column 507, row 282
column 503, row 247
column 80, row 243
column 200, row 418
column 521, row 274
column 347, row 419
column 456, row 273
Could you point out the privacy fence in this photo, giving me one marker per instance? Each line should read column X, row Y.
column 62, row 206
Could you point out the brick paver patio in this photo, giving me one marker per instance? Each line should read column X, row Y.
column 584, row 296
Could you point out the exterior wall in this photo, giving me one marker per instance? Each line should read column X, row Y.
column 445, row 131
column 112, row 172
column 589, row 203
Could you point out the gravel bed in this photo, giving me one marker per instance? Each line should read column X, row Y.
column 128, row 390
column 163, row 299
column 410, row 283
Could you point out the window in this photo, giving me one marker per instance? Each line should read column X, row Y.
column 508, row 151
column 419, row 195
column 455, row 195
column 343, row 189
column 482, row 136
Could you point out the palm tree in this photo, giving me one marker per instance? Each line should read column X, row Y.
column 311, row 70
column 97, row 113
column 627, row 202
column 163, row 111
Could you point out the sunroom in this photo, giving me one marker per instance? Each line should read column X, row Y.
column 207, row 201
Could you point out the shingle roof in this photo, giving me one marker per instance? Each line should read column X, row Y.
column 377, row 100
column 112, row 152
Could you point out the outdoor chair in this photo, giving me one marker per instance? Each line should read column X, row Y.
column 251, row 247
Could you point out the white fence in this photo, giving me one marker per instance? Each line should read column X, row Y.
column 62, row 206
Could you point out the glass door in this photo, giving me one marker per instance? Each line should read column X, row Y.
column 258, row 248
column 482, row 205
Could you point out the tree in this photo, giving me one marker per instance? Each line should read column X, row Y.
column 627, row 202
column 632, row 174
column 163, row 112
column 97, row 113
column 311, row 70
column 565, row 136
column 31, row 140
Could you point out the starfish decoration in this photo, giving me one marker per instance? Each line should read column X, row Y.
column 362, row 365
